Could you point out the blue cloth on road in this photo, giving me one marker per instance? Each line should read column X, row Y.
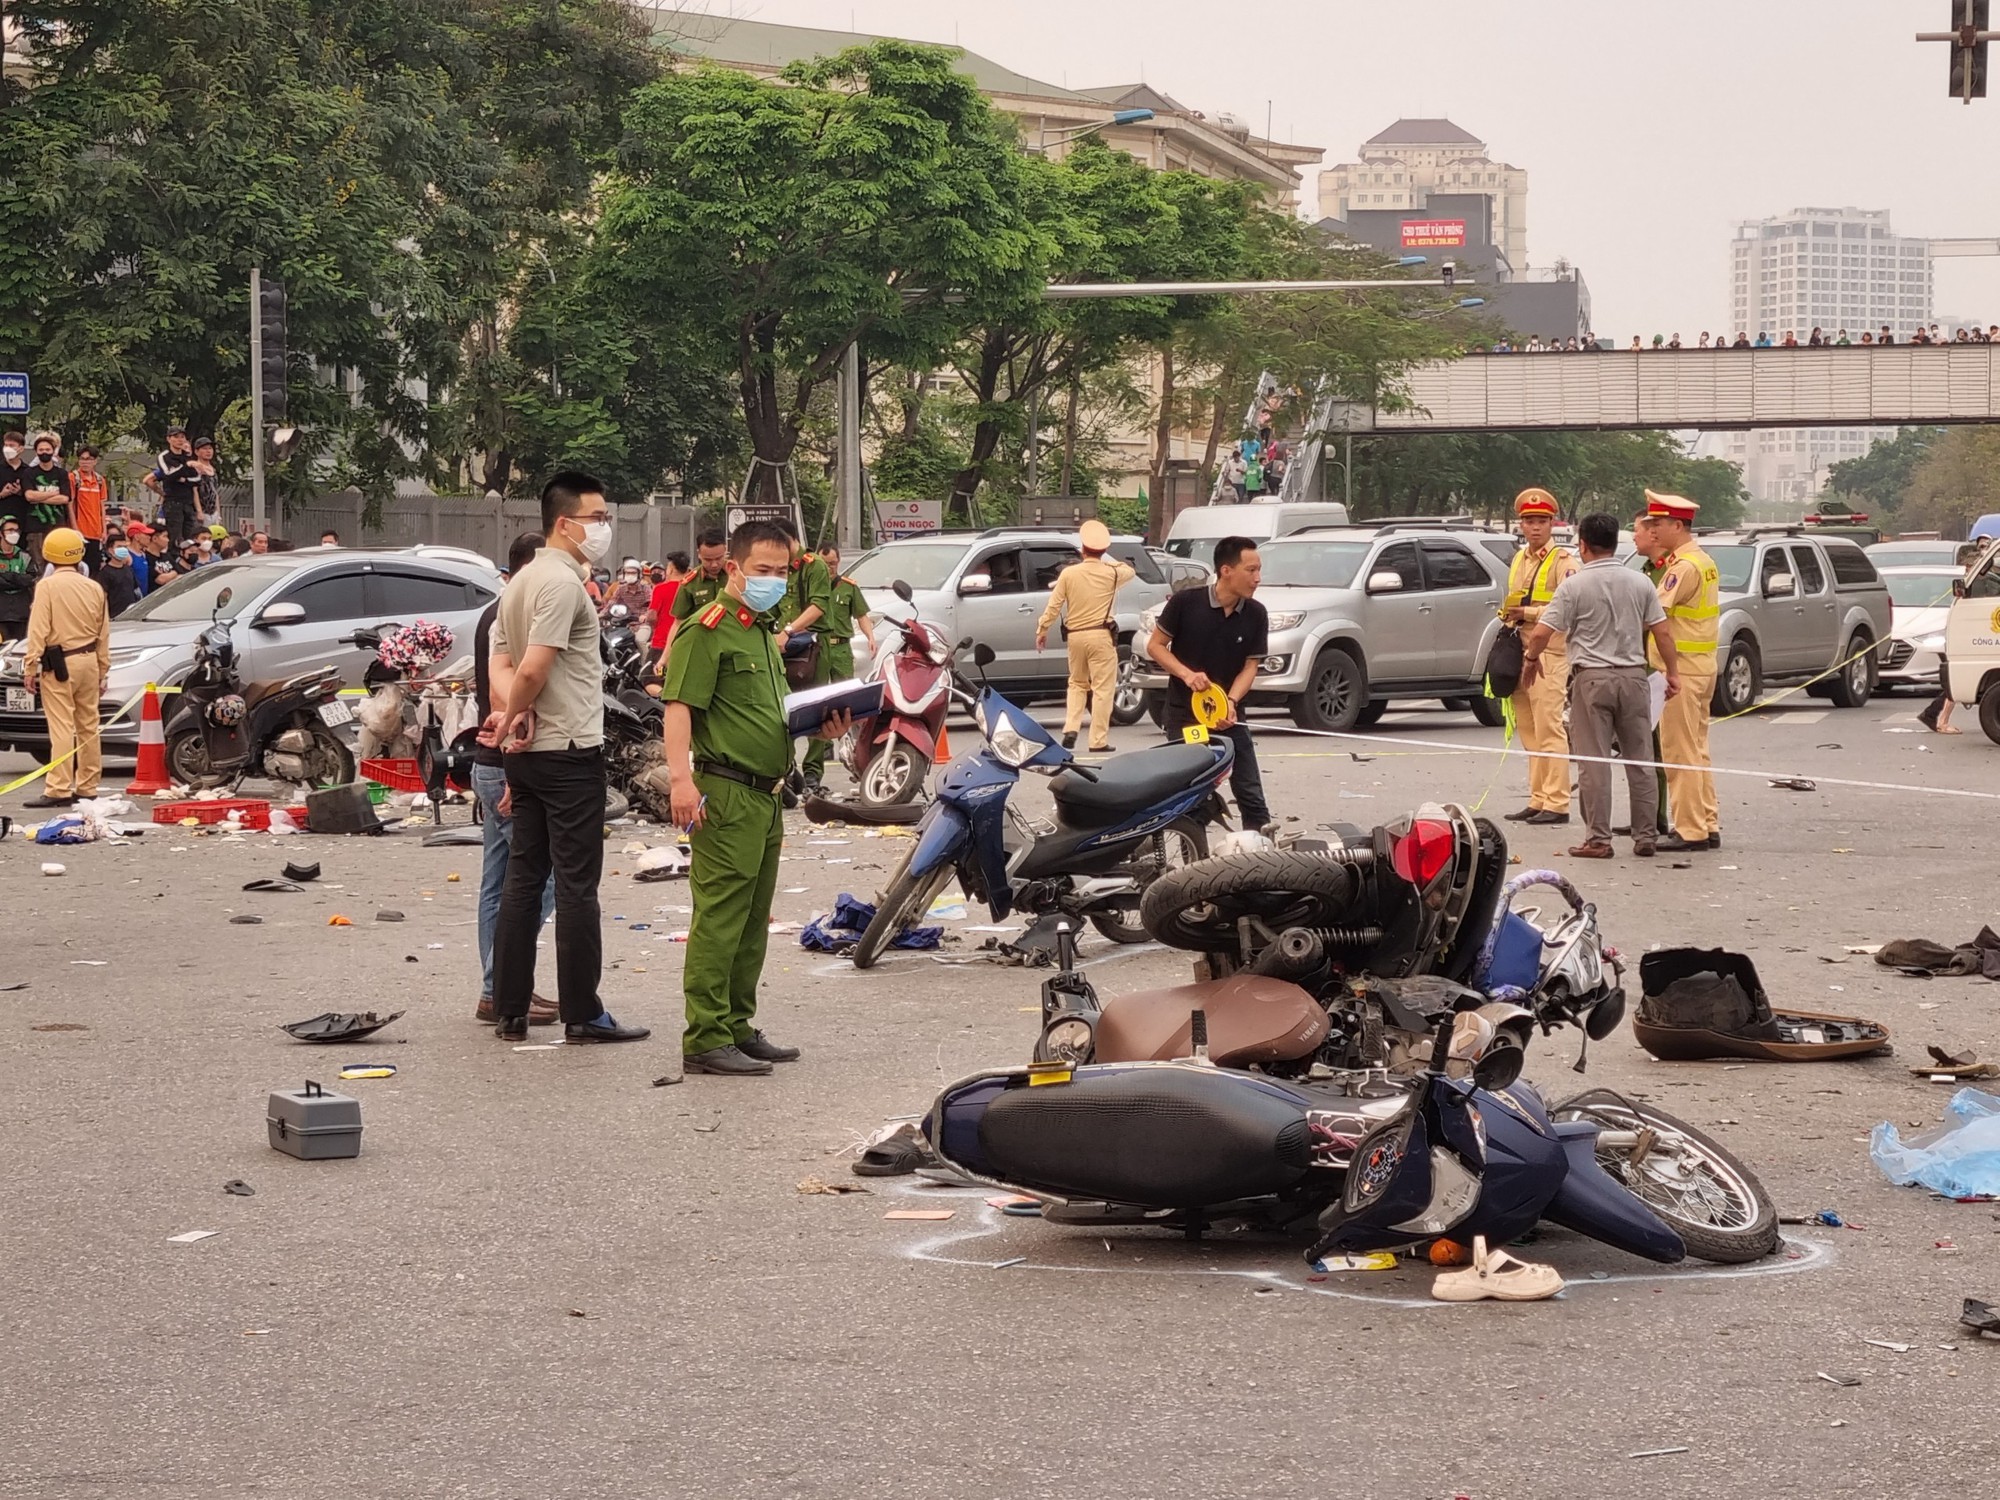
column 1961, row 1158
column 842, row 927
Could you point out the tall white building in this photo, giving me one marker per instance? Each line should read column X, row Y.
column 1831, row 269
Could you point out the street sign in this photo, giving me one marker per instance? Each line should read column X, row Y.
column 13, row 394
column 757, row 510
column 1419, row 234
column 894, row 518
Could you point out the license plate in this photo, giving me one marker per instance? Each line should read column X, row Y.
column 335, row 714
column 20, row 701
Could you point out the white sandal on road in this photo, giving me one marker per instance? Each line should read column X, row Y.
column 1496, row 1274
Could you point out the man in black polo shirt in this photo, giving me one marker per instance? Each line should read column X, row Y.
column 1218, row 634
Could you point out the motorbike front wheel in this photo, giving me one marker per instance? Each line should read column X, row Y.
column 907, row 898
column 187, row 761
column 1180, row 843
column 896, row 774
column 1714, row 1203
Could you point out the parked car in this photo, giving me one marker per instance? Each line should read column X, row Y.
column 1197, row 529
column 1794, row 602
column 993, row 586
column 1929, row 553
column 1362, row 616
column 340, row 590
column 1921, row 600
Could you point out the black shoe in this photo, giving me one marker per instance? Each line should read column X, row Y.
column 47, row 801
column 1548, row 818
column 605, row 1029
column 729, row 1062
column 1715, row 841
column 512, row 1028
column 1525, row 815
column 815, row 787
column 1673, row 843
column 1069, row 743
column 762, row 1048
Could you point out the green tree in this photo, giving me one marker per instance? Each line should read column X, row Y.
column 1957, row 482
column 783, row 222
column 1879, row 479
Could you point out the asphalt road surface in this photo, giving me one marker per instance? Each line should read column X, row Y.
column 545, row 1277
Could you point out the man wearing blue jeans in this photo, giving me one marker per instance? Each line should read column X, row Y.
column 489, row 784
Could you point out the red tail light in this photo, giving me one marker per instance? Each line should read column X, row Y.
column 1421, row 855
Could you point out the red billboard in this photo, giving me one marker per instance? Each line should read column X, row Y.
column 1421, row 234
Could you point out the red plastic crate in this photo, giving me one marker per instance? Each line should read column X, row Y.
column 256, row 813
column 397, row 775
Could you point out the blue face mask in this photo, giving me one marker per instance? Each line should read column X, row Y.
column 761, row 593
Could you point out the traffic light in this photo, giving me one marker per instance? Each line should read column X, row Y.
column 271, row 323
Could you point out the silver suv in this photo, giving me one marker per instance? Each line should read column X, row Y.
column 332, row 593
column 993, row 586
column 1793, row 604
column 1364, row 615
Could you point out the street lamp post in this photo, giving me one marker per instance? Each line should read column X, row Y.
column 1064, row 137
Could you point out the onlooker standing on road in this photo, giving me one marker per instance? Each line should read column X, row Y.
column 551, row 728
column 489, row 785
column 177, row 482
column 120, row 582
column 728, row 751
column 68, row 653
column 1537, row 570
column 1218, row 634
column 660, row 606
column 17, row 581
column 90, row 492
column 48, row 493
column 1607, row 611
column 846, row 611
column 1690, row 590
column 14, row 464
column 1232, row 476
column 1086, row 598
column 329, row 538
column 208, row 504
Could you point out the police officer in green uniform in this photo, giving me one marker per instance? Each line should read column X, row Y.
column 702, row 587
column 727, row 757
column 808, row 596
column 846, row 610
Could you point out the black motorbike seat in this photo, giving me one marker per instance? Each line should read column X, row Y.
column 1129, row 782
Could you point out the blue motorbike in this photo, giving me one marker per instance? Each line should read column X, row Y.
column 1118, row 826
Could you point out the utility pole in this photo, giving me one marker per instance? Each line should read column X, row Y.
column 847, row 471
column 1970, row 23
column 257, row 513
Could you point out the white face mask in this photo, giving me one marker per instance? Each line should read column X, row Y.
column 595, row 543
column 11, row 451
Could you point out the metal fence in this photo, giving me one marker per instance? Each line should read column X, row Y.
column 647, row 532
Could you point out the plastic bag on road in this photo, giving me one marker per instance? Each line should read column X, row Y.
column 1961, row 1158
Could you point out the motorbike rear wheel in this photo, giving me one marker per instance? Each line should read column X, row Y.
column 328, row 762
column 1714, row 1203
column 1199, row 907
column 1181, row 843
column 895, row 774
column 188, row 763
column 907, row 898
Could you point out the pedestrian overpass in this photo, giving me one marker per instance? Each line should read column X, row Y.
column 1902, row 385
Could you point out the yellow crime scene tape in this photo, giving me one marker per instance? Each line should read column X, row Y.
column 123, row 709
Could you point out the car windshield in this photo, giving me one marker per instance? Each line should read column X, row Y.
column 1326, row 565
column 1919, row 590
column 1733, row 565
column 1918, row 555
column 922, row 565
column 192, row 596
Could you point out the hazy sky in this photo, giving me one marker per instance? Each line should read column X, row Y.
column 1647, row 130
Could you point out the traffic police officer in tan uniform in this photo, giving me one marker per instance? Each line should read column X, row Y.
column 1690, row 591
column 1538, row 707
column 68, row 655
column 1085, row 596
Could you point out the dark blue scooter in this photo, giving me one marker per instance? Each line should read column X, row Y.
column 1117, row 826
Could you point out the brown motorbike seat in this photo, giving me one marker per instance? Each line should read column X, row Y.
column 1251, row 1019
column 256, row 692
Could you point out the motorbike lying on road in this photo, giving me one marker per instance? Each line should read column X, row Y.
column 225, row 729
column 1118, row 826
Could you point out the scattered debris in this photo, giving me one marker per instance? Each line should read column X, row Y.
column 368, row 1070
column 1959, row 1158
column 50, row 867
column 337, row 920
column 1001, row 1265
column 388, row 916
column 247, row 919
column 813, row 1186
column 920, row 1213
column 1794, row 784
column 236, row 1187
column 1843, row 1380
column 1981, row 1317
column 666, row 1080
column 1892, row 1347
column 1657, row 1452
column 60, row 1026
column 1950, row 1067
column 337, row 1026
column 192, row 1236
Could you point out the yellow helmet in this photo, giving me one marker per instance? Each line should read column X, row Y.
column 63, row 546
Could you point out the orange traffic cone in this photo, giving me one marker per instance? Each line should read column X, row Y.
column 151, row 777
column 943, row 756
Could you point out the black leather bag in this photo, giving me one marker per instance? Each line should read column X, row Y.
column 802, row 659
column 1503, row 663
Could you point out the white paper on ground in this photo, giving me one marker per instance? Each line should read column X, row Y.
column 191, row 1236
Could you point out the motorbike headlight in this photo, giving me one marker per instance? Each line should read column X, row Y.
column 1930, row 642
column 1291, row 619
column 1376, row 1162
column 940, row 652
column 1008, row 744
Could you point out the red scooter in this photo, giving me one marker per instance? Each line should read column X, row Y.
column 889, row 754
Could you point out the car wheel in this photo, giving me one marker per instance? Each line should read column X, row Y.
column 1128, row 699
column 1854, row 684
column 1989, row 712
column 1488, row 712
column 1371, row 713
column 1335, row 694
column 1740, row 680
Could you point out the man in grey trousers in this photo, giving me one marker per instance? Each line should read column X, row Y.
column 1606, row 612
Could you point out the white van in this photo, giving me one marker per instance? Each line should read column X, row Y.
column 1196, row 530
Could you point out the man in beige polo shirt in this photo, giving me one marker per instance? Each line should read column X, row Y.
column 550, row 725
column 1085, row 596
